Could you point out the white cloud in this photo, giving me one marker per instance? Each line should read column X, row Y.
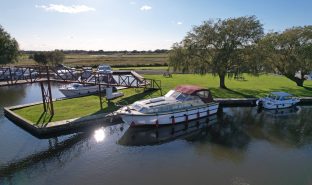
column 145, row 8
column 66, row 9
column 179, row 23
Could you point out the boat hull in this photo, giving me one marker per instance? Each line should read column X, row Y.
column 170, row 117
column 277, row 104
column 80, row 91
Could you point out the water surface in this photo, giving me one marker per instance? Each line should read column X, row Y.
column 241, row 147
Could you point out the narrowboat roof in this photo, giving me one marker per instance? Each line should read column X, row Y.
column 189, row 89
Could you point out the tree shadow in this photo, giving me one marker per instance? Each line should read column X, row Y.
column 308, row 88
column 231, row 93
column 115, row 105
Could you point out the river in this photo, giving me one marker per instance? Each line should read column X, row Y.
column 240, row 147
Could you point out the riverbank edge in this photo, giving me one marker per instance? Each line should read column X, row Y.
column 76, row 124
column 62, row 127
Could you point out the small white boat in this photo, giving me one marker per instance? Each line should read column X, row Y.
column 76, row 89
column 186, row 102
column 277, row 100
column 104, row 69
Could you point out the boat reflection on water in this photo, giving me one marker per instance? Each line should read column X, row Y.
column 141, row 136
column 281, row 112
column 214, row 129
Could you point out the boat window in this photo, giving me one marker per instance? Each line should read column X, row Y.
column 76, row 85
column 203, row 94
column 181, row 97
column 287, row 97
column 137, row 107
column 191, row 98
column 144, row 110
column 174, row 95
column 272, row 96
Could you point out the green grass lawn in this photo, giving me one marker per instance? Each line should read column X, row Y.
column 250, row 87
column 78, row 107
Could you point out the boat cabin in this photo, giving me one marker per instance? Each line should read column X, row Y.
column 182, row 97
column 280, row 96
column 192, row 91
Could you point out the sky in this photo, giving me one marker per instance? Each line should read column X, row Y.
column 133, row 24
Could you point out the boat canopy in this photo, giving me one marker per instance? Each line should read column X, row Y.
column 280, row 94
column 194, row 90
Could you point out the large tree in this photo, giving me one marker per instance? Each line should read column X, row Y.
column 8, row 48
column 216, row 46
column 289, row 53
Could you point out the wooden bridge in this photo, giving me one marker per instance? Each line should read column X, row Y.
column 31, row 74
column 16, row 75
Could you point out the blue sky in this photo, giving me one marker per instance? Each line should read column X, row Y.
column 133, row 24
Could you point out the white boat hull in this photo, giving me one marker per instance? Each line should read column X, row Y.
column 170, row 117
column 68, row 92
column 277, row 104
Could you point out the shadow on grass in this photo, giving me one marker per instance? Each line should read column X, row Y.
column 113, row 106
column 44, row 119
column 237, row 93
column 308, row 88
column 256, row 93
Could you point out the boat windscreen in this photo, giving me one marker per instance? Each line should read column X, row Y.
column 173, row 94
column 169, row 93
column 137, row 107
column 181, row 97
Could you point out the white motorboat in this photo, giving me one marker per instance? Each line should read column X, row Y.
column 278, row 100
column 104, row 69
column 186, row 102
column 76, row 89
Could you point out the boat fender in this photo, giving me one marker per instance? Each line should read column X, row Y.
column 186, row 118
column 132, row 124
column 156, row 123
column 173, row 120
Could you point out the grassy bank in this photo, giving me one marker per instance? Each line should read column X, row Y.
column 78, row 107
column 249, row 87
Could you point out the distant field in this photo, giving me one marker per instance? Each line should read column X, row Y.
column 113, row 60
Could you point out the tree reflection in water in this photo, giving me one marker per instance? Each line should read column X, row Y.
column 286, row 127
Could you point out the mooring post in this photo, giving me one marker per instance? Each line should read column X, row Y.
column 100, row 95
column 43, row 97
column 50, row 92
column 11, row 78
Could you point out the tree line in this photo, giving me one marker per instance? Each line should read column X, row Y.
column 235, row 45
column 102, row 52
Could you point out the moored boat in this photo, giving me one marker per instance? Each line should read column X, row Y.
column 76, row 89
column 184, row 103
column 278, row 100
